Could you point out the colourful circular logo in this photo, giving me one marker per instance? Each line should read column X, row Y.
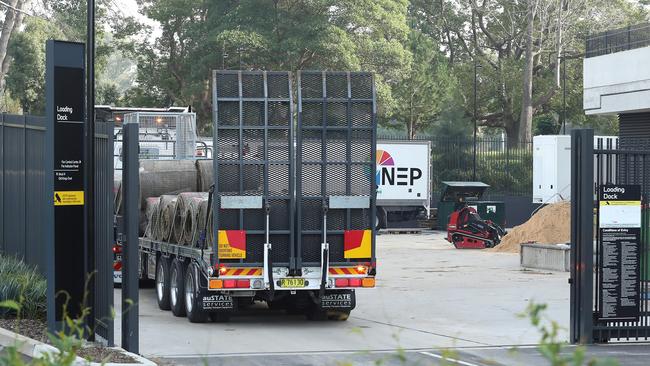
column 383, row 159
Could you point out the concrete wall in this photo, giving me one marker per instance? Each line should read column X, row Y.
column 618, row 82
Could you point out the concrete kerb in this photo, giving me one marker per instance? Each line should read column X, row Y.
column 34, row 349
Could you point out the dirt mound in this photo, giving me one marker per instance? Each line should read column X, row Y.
column 549, row 225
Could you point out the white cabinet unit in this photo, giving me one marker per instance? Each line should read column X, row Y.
column 552, row 166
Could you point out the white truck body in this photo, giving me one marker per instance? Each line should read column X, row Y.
column 404, row 173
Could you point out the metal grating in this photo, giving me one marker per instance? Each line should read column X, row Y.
column 336, row 140
column 253, row 149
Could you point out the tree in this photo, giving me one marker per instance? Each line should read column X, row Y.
column 13, row 21
column 107, row 94
column 273, row 35
column 520, row 45
column 26, row 78
column 425, row 90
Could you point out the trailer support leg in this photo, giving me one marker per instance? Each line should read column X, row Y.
column 325, row 249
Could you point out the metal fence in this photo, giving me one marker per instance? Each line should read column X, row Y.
column 22, row 155
column 617, row 40
column 507, row 169
column 21, row 187
column 610, row 268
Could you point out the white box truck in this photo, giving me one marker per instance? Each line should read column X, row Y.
column 552, row 165
column 403, row 179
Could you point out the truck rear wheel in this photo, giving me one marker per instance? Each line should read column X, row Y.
column 195, row 313
column 220, row 317
column 381, row 219
column 177, row 287
column 338, row 315
column 162, row 283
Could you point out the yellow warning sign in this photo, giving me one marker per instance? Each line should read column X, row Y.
column 68, row 198
column 620, row 203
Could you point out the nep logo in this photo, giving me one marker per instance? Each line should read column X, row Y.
column 388, row 174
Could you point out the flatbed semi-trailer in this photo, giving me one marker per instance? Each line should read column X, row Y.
column 294, row 229
column 185, row 280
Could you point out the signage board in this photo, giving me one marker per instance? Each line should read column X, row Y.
column 403, row 176
column 619, row 230
column 66, row 118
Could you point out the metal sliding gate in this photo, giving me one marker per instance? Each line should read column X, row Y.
column 610, row 276
column 253, row 160
column 335, row 163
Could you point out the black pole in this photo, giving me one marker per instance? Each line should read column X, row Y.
column 582, row 250
column 131, row 184
column 563, row 95
column 90, row 167
column 475, row 116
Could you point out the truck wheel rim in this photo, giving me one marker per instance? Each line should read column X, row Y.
column 173, row 283
column 160, row 282
column 189, row 292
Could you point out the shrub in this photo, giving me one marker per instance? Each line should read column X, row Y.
column 22, row 284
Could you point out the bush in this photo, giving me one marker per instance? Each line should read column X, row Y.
column 23, row 285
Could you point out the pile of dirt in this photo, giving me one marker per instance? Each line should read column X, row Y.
column 550, row 225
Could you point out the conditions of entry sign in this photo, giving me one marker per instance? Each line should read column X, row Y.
column 619, row 221
column 66, row 270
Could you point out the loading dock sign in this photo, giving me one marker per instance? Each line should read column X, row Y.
column 619, row 230
column 69, row 133
column 68, row 256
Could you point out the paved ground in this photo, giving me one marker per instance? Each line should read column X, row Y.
column 430, row 296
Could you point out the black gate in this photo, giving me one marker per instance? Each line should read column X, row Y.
column 253, row 156
column 335, row 157
column 610, row 270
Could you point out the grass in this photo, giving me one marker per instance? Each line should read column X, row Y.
column 21, row 284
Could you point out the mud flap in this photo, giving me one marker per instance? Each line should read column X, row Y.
column 217, row 302
column 210, row 301
column 341, row 300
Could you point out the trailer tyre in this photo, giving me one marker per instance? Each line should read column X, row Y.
column 195, row 313
column 316, row 314
column 177, row 287
column 340, row 316
column 220, row 317
column 162, row 283
column 381, row 221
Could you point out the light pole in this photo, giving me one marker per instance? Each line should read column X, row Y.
column 89, row 169
column 563, row 94
column 475, row 115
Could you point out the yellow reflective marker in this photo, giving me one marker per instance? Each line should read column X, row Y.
column 69, row 198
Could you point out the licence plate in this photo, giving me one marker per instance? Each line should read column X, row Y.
column 292, row 282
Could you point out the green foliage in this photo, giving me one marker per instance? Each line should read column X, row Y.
column 68, row 342
column 107, row 94
column 545, row 124
column 21, row 284
column 426, row 90
column 26, row 77
column 273, row 35
column 551, row 348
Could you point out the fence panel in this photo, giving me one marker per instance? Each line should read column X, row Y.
column 2, row 179
column 14, row 185
column 34, row 150
column 104, row 230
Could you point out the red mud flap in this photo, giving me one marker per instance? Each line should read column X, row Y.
column 342, row 300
